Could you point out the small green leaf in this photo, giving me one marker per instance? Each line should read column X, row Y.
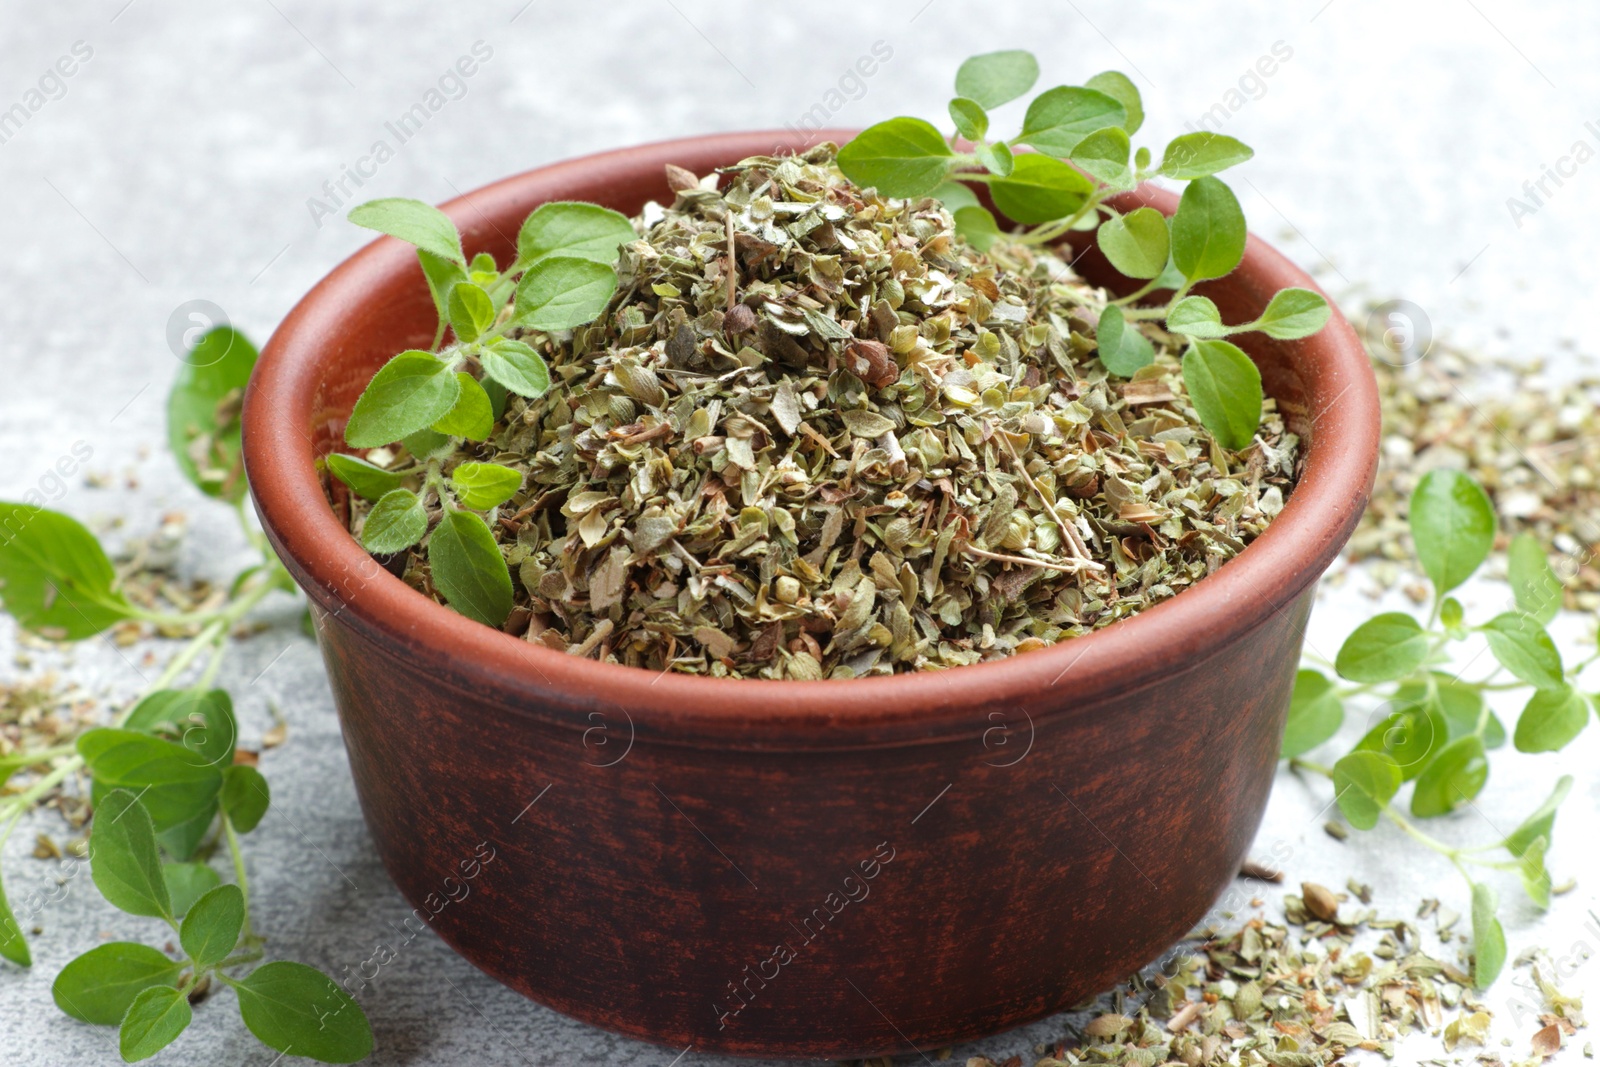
column 202, row 721
column 977, row 227
column 414, row 222
column 471, row 311
column 996, row 78
column 297, row 1009
column 1104, row 155
column 1535, row 586
column 175, row 784
column 187, row 883
column 1488, row 938
column 1208, row 231
column 472, row 416
column 1123, row 351
column 572, row 229
column 1059, row 118
column 123, row 859
column 442, row 275
column 517, row 367
column 1550, row 719
column 1363, row 782
column 1452, row 615
column 1382, row 649
column 211, row 929
column 1412, row 735
column 13, row 945
column 1225, row 389
column 1196, row 316
column 469, row 569
column 55, row 578
column 99, row 985
column 154, row 1020
column 1120, row 88
column 366, row 480
column 245, row 797
column 1040, row 189
column 1524, row 648
column 1452, row 525
column 996, row 158
column 396, row 522
column 1455, row 776
column 1535, row 878
column 1315, row 714
column 1198, row 154
column 481, row 486
column 409, row 393
column 1293, row 313
column 562, row 292
column 900, row 157
column 971, row 121
column 203, row 412
column 1541, row 824
column 955, row 196
column 1138, row 244
column 1460, row 703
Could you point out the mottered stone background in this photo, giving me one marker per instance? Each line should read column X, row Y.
column 185, row 157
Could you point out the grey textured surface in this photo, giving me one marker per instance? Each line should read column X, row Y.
column 178, row 163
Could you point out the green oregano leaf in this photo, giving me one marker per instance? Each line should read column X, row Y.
column 203, row 412
column 1456, row 775
column 174, row 783
column 471, row 311
column 1059, row 118
column 561, row 292
column 1120, row 88
column 154, row 1020
column 1524, row 648
column 468, row 568
column 1123, row 349
column 996, row 158
column 1138, row 244
column 414, row 222
column 187, row 883
column 1196, row 316
column 366, row 480
column 481, row 486
column 1382, row 649
column 1550, row 719
column 1488, row 937
column 409, row 393
column 1225, row 389
column 99, row 985
column 1541, row 824
column 123, row 859
column 900, row 157
column 1198, row 154
column 472, row 415
column 442, row 276
column 1208, row 230
column 955, row 196
column 396, row 522
column 55, row 579
column 13, row 945
column 971, row 121
column 211, row 929
column 1293, row 313
column 1535, row 878
column 996, row 78
column 977, row 227
column 1104, row 155
column 1315, row 714
column 1363, row 783
column 1039, row 189
column 1452, row 526
column 575, row 230
column 297, row 1009
column 517, row 367
column 1412, row 735
column 245, row 796
column 1535, row 586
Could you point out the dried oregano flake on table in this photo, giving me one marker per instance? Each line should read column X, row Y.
column 868, row 448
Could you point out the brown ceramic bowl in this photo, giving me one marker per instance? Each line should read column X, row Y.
column 820, row 869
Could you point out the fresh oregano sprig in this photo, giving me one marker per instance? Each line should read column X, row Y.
column 1439, row 729
column 166, row 790
column 1082, row 155
column 563, row 277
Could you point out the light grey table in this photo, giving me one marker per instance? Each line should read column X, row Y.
column 185, row 158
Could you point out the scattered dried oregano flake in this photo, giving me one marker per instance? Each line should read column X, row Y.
column 817, row 435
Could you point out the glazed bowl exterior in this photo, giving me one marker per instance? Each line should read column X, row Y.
column 826, row 869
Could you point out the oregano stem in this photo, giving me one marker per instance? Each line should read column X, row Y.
column 239, row 875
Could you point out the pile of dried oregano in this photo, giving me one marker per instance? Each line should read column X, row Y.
column 830, row 453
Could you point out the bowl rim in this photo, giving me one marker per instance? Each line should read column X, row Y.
column 1255, row 588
